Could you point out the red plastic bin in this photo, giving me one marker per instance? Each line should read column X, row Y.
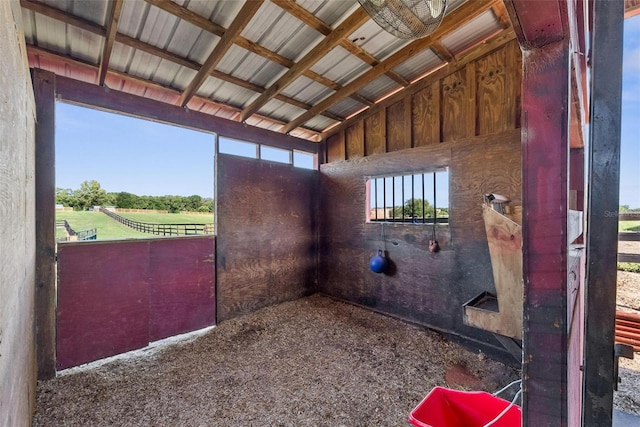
column 444, row 407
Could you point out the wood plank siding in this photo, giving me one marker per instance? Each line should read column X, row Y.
column 481, row 97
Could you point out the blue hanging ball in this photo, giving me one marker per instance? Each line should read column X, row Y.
column 378, row 263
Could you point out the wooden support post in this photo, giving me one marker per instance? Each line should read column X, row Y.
column 602, row 212
column 545, row 150
column 45, row 304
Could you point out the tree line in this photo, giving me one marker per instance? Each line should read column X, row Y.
column 416, row 209
column 92, row 194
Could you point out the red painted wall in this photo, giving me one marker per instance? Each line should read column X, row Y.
column 117, row 296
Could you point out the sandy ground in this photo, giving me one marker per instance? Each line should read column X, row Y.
column 627, row 398
column 311, row 362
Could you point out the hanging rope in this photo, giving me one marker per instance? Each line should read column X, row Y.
column 433, row 243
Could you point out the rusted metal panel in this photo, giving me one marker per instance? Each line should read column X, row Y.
column 103, row 297
column 181, row 285
column 266, row 243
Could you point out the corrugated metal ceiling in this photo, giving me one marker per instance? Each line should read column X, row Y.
column 164, row 43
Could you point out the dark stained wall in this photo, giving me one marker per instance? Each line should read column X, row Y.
column 422, row 287
column 266, row 239
column 465, row 116
column 17, row 224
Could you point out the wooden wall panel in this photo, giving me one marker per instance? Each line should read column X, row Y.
column 513, row 58
column 458, row 112
column 426, row 115
column 182, row 285
column 354, row 136
column 491, row 80
column 423, row 287
column 18, row 229
column 480, row 97
column 336, row 147
column 103, row 297
column 375, row 133
column 397, row 137
column 45, row 180
column 116, row 296
column 266, row 241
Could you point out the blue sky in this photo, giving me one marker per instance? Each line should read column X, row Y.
column 132, row 155
column 630, row 150
column 146, row 158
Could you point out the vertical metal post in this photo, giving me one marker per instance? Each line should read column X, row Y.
column 602, row 211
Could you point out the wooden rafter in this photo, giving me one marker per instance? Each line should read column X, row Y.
column 312, row 21
column 501, row 15
column 139, row 81
column 631, row 8
column 241, row 20
column 112, row 30
column 213, row 28
column 490, row 44
column 62, row 16
column 354, row 21
column 443, row 53
column 126, row 40
column 455, row 19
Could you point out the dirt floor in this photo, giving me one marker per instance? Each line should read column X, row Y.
column 627, row 398
column 314, row 361
column 311, row 362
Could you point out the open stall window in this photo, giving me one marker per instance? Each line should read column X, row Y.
column 252, row 150
column 417, row 198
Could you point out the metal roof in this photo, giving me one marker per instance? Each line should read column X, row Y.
column 284, row 69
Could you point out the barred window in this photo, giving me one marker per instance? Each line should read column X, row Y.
column 419, row 198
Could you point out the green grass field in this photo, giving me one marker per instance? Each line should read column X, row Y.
column 111, row 229
column 107, row 227
column 169, row 218
column 629, row 226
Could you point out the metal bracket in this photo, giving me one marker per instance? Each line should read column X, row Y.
column 620, row 350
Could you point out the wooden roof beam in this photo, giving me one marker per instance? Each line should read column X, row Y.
column 76, row 63
column 354, row 21
column 213, row 28
column 241, row 20
column 112, row 29
column 631, row 8
column 500, row 11
column 451, row 22
column 442, row 52
column 529, row 17
column 126, row 40
column 63, row 16
column 312, row 21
